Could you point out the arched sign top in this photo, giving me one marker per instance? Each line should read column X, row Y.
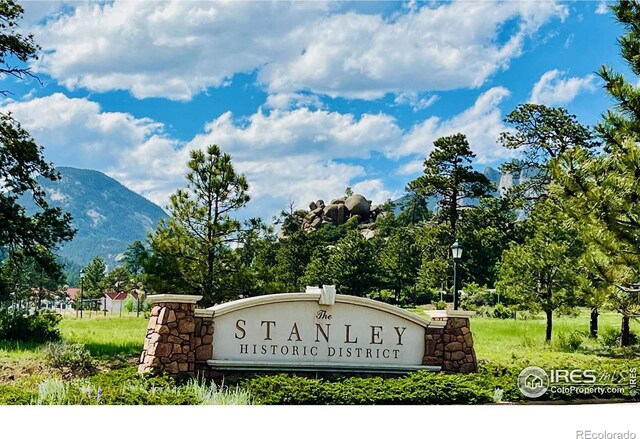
column 237, row 305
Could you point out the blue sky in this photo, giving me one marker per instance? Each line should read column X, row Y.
column 307, row 97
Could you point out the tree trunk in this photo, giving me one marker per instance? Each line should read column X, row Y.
column 625, row 339
column 549, row 324
column 454, row 210
column 593, row 324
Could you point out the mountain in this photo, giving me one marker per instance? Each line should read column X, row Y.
column 108, row 216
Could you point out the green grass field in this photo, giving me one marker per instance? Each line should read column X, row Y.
column 495, row 339
column 503, row 347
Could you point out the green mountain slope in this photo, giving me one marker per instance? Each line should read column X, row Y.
column 108, row 216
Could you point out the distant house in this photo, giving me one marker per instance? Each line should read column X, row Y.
column 114, row 301
column 72, row 293
column 44, row 299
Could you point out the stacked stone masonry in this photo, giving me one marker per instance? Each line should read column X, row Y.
column 175, row 339
column 451, row 347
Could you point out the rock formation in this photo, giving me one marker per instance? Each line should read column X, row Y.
column 337, row 212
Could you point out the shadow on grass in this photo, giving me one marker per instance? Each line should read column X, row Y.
column 19, row 346
column 99, row 350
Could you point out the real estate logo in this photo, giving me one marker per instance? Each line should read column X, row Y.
column 533, row 381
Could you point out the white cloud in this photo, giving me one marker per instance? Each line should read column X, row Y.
column 292, row 153
column 411, row 167
column 552, row 89
column 77, row 133
column 286, row 101
column 482, row 124
column 366, row 56
column 285, row 154
column 321, row 134
column 415, row 100
column 299, row 154
column 177, row 49
column 172, row 49
column 603, row 7
column 375, row 190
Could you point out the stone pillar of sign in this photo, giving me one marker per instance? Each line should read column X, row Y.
column 449, row 342
column 203, row 343
column 170, row 344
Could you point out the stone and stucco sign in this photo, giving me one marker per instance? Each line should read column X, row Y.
column 313, row 331
column 296, row 331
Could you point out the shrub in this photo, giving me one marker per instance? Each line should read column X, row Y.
column 441, row 304
column 12, row 395
column 129, row 304
column 501, row 312
column 210, row 394
column 53, row 392
column 414, row 388
column 73, row 357
column 282, row 389
column 423, row 297
column 127, row 387
column 568, row 311
column 38, row 327
column 570, row 342
column 611, row 338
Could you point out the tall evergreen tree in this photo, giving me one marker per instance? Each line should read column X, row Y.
column 449, row 176
column 200, row 230
column 602, row 190
column 539, row 134
column 26, row 277
column 93, row 283
column 22, row 161
column 353, row 265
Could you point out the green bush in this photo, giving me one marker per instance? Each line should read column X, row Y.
column 74, row 357
column 501, row 312
column 611, row 338
column 127, row 387
column 441, row 304
column 414, row 388
column 129, row 304
column 37, row 327
column 570, row 342
column 423, row 297
column 12, row 395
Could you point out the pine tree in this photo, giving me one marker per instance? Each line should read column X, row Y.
column 22, row 162
column 602, row 191
column 200, row 230
column 449, row 176
column 540, row 134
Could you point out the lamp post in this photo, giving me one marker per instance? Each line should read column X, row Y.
column 456, row 252
column 81, row 288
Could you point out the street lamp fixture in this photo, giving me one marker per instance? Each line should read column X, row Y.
column 456, row 253
column 81, row 289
